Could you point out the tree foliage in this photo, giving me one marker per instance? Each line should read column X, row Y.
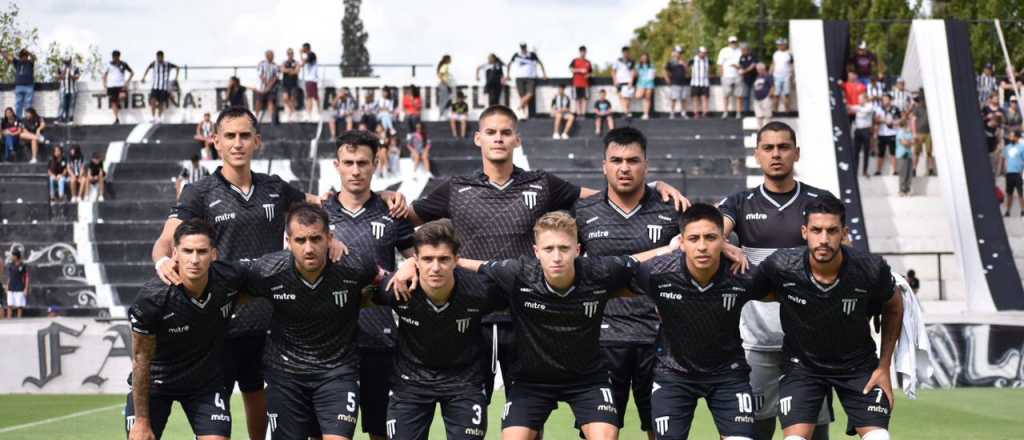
column 16, row 35
column 984, row 40
column 355, row 58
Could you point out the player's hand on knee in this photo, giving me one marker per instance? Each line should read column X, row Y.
column 167, row 270
column 141, row 431
column 880, row 378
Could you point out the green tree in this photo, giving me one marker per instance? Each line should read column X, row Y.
column 355, row 58
column 984, row 41
column 15, row 36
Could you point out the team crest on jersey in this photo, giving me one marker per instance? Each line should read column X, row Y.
column 530, row 199
column 378, row 229
column 590, row 308
column 654, row 232
column 340, row 297
column 268, row 208
column 728, row 301
column 225, row 310
column 849, row 305
column 462, row 324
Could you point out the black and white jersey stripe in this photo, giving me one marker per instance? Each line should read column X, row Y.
column 162, row 75
column 700, row 77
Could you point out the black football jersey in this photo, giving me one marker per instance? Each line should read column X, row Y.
column 314, row 324
column 373, row 232
column 558, row 333
column 248, row 226
column 439, row 346
column 189, row 331
column 827, row 326
column 606, row 230
column 700, row 335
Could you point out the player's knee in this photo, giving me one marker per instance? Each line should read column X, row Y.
column 794, row 437
column 878, row 434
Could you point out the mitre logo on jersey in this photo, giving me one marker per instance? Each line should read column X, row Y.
column 728, row 301
column 462, row 324
column 597, row 234
column 654, row 232
column 340, row 297
column 268, row 208
column 530, row 199
column 224, row 217
column 849, row 305
column 378, row 229
column 590, row 308
column 756, row 216
column 284, row 296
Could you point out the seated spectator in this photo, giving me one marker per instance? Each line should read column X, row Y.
column 345, row 108
column 76, row 173
column 204, row 134
column 394, row 157
column 1014, row 155
column 603, row 112
column 370, row 108
column 459, row 116
column 561, row 109
column 419, row 150
column 764, row 95
column 236, row 93
column 190, row 173
column 382, row 158
column 412, row 106
column 386, row 111
column 18, row 281
column 12, row 135
column 97, row 175
column 57, row 170
column 905, row 155
column 33, row 126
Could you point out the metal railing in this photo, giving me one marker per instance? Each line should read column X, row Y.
column 185, row 68
column 938, row 264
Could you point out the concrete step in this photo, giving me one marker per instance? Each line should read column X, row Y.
column 890, row 186
column 133, row 210
column 125, row 251
column 903, row 243
column 126, row 231
column 40, row 232
column 37, row 211
column 22, row 191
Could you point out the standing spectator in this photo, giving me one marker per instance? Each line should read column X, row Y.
column 204, row 134
column 987, row 84
column 992, row 122
column 270, row 85
column 68, row 80
column 419, row 149
column 1013, row 119
column 852, row 91
column 444, row 83
column 900, row 96
column 236, row 93
column 370, row 108
column 97, row 175
column 57, row 170
column 782, row 74
column 876, row 89
column 624, row 74
column 1008, row 88
column 645, row 76
column 526, row 64
column 311, row 76
column 386, row 112
column 18, row 281
column 394, row 154
column 190, row 173
column 345, row 108
column 732, row 82
column 887, row 115
column 913, row 281
column 561, row 110
column 290, row 83
column 494, row 80
column 1014, row 155
column 677, row 75
column 459, row 116
column 116, row 83
column 863, row 127
column 922, row 133
column 412, row 105
column 24, row 79
column 160, row 93
column 904, row 152
column 76, row 173
column 748, row 71
column 32, row 130
column 700, row 82
column 581, row 71
column 763, row 95
column 863, row 63
column 603, row 110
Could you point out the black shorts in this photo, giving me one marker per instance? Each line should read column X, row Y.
column 886, row 145
column 801, row 394
column 160, row 96
column 374, row 386
column 504, row 352
column 270, row 96
column 699, row 91
column 1014, row 184
column 631, row 366
column 243, row 363
column 991, row 143
column 582, row 92
column 208, row 413
column 292, row 90
column 114, row 93
column 674, row 401
column 302, row 407
column 529, row 405
column 410, row 413
column 526, row 86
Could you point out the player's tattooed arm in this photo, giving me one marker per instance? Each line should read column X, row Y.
column 143, row 347
column 892, row 323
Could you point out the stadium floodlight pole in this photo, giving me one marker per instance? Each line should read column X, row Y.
column 1006, row 56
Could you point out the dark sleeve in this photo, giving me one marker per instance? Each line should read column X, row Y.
column 764, row 278
column 563, row 194
column 502, row 274
column 128, row 68
column 572, row 65
column 383, row 297
column 291, row 194
column 641, row 282
column 365, row 269
column 620, row 270
column 190, row 205
column 172, row 66
column 434, row 205
column 746, row 281
column 246, row 277
column 883, row 284
column 494, row 298
column 404, row 234
column 150, row 66
column 145, row 314
column 184, row 173
column 729, row 206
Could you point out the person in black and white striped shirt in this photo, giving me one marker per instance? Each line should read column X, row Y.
column 68, row 79
column 700, row 82
column 561, row 109
column 190, row 173
column 160, row 93
column 266, row 93
column 987, row 84
column 901, row 98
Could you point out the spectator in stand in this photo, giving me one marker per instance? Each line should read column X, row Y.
column 191, row 173
column 863, row 127
column 386, row 112
column 204, row 134
column 1014, row 155
column 1013, row 120
column 459, row 116
column 624, row 75
column 876, row 89
column 18, row 283
column 748, row 71
column 382, row 157
column 646, row 73
column 290, row 83
column 236, row 93
column 922, row 133
column 419, row 149
column 76, row 172
column 116, row 83
column 987, row 84
column 445, row 85
column 732, row 82
column 32, row 130
column 887, row 115
column 311, row 76
column 68, row 77
column 863, row 62
column 677, row 75
column 12, row 135
column 160, row 93
column 412, row 106
column 270, row 84
column 97, row 175
column 782, row 74
column 852, row 91
column 700, row 82
column 1008, row 88
column 992, row 122
column 581, row 71
column 394, row 154
column 370, row 108
column 900, row 96
column 345, row 108
column 526, row 64
column 912, row 280
column 763, row 94
column 603, row 112
column 24, row 79
column 561, row 110
column 57, row 171
column 905, row 154
column 494, row 80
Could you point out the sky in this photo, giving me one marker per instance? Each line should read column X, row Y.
column 203, row 32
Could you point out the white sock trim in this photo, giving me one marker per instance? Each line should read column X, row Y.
column 878, row 434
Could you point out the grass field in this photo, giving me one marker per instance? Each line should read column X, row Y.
column 982, row 414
